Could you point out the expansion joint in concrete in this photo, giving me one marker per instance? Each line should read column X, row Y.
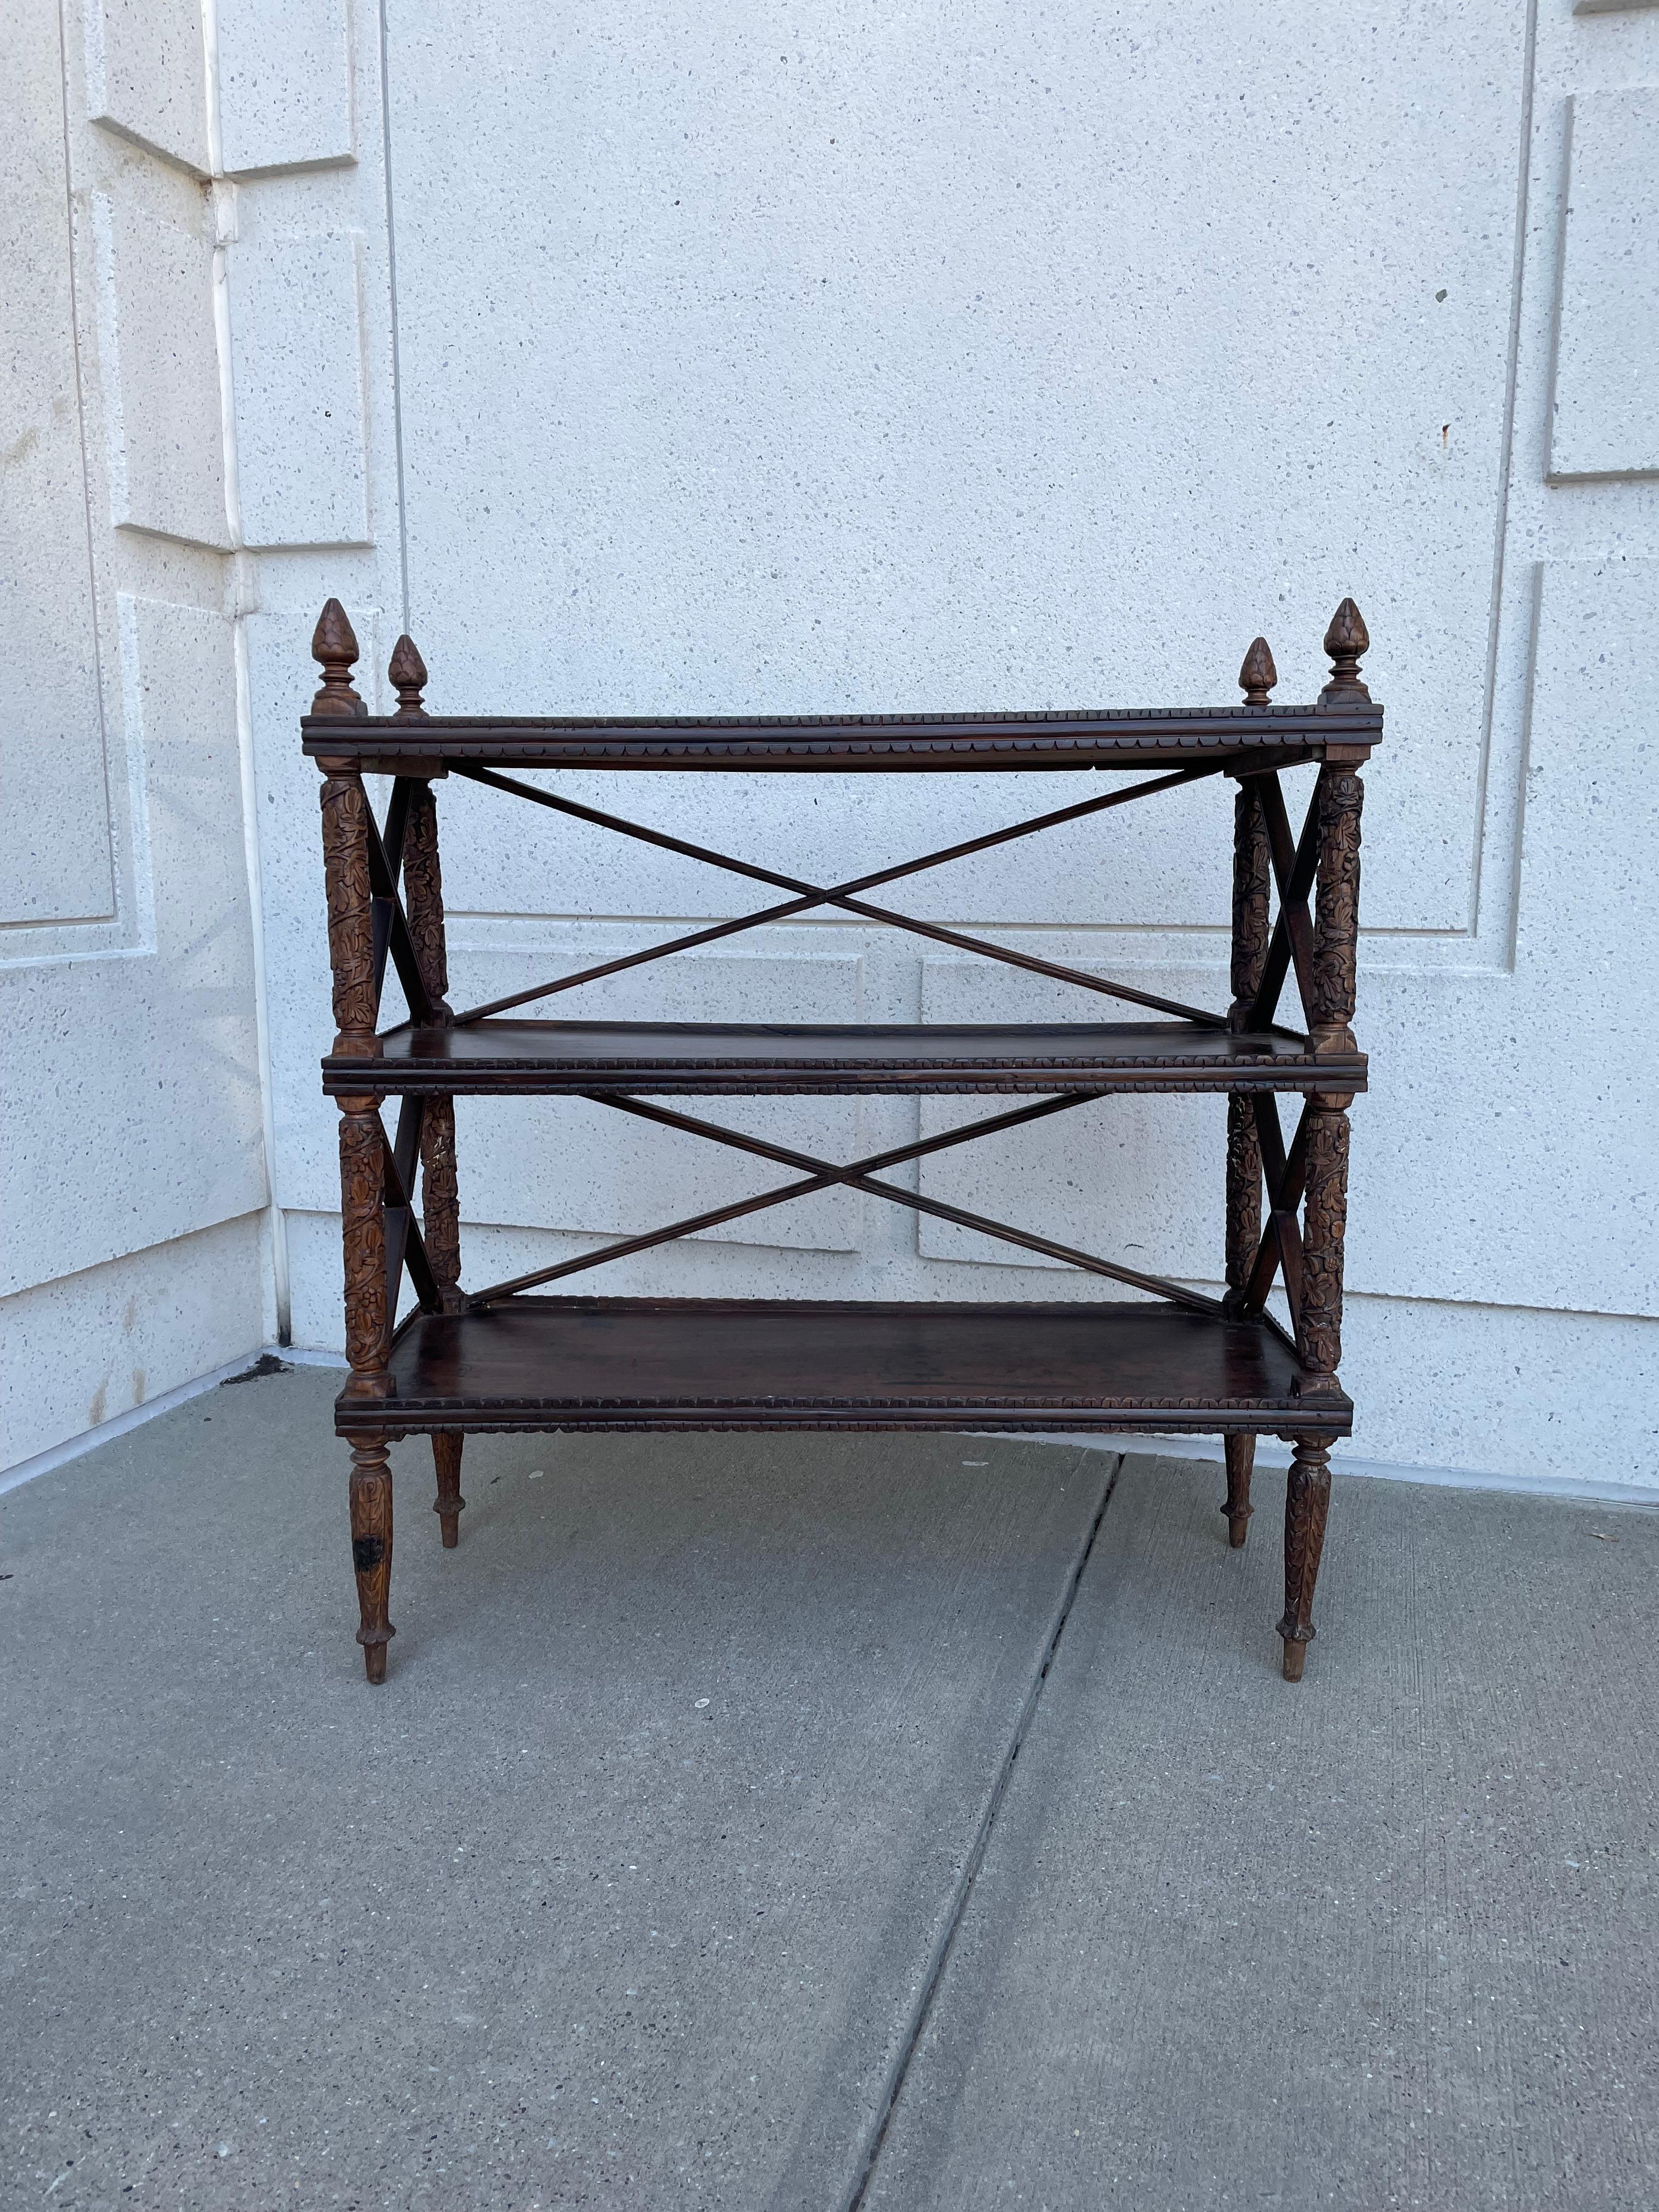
column 923, row 2009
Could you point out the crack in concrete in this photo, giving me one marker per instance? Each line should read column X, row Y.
column 964, row 1890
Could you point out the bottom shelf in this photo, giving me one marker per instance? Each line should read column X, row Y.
column 758, row 1364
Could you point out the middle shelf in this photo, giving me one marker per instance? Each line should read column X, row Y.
column 503, row 1056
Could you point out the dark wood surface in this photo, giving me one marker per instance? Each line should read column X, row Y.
column 498, row 1055
column 754, row 1364
column 1132, row 737
column 507, row 1360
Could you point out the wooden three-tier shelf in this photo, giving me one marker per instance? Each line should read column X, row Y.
column 1170, row 1359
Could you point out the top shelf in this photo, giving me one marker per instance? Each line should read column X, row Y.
column 1138, row 738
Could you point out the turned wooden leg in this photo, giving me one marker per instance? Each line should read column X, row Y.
column 1240, row 1458
column 1252, row 873
column 446, row 1453
column 371, row 1551
column 1307, row 1501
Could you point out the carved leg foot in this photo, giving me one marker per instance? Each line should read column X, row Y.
column 446, row 1453
column 371, row 1552
column 1240, row 1458
column 1307, row 1501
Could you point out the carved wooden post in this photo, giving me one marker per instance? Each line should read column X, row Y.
column 1319, row 1335
column 362, row 1169
column 423, row 904
column 370, row 1550
column 1251, row 874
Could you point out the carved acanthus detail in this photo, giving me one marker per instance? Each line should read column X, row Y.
column 1244, row 1192
column 423, row 896
column 350, row 926
column 441, row 1199
column 362, row 1178
column 1252, row 871
column 1336, row 913
column 1325, row 1222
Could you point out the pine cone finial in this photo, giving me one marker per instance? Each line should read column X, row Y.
column 334, row 643
column 1258, row 676
column 407, row 673
column 1345, row 641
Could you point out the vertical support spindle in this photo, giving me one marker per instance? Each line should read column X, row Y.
column 1335, row 957
column 423, row 901
column 1251, row 875
column 351, row 954
column 1341, row 796
column 1325, row 1212
column 345, row 847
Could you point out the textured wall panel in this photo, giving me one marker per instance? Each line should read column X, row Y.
column 1504, row 1391
column 55, row 854
column 1606, row 419
column 167, row 454
column 561, row 1163
column 829, row 829
column 1135, row 1180
column 79, row 1351
column 146, row 74
column 1587, row 946
column 296, row 350
column 284, row 83
column 147, row 1126
column 940, row 358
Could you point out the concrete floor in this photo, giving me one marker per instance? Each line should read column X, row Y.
column 686, row 1858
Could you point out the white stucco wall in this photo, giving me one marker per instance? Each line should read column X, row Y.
column 804, row 358
column 132, row 1174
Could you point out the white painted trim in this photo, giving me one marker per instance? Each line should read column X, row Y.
column 243, row 600
column 1270, row 1452
column 107, row 1432
column 392, row 289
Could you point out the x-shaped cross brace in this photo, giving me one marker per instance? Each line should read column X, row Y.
column 1285, row 1175
column 1294, row 866
column 842, row 896
column 389, row 923
column 857, row 1175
